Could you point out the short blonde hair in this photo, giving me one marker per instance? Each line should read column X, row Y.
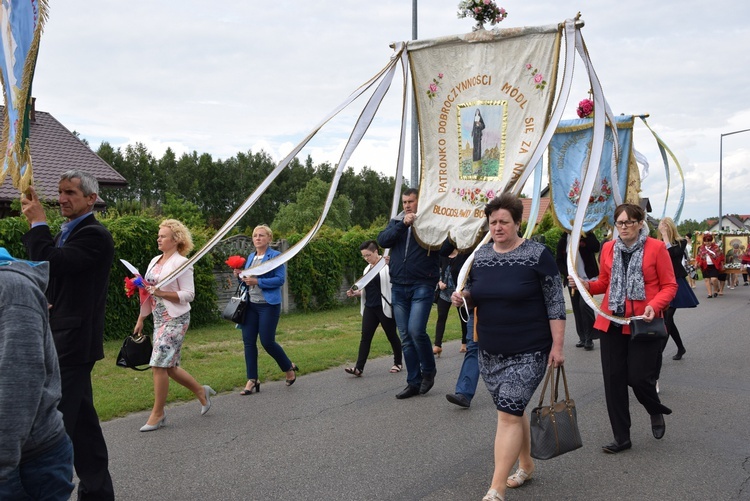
column 265, row 228
column 180, row 234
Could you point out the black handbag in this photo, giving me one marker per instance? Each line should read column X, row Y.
column 554, row 427
column 640, row 330
column 235, row 309
column 136, row 350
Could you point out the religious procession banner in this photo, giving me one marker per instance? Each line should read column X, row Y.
column 21, row 23
column 483, row 102
column 569, row 152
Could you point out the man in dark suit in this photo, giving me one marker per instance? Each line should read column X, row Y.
column 80, row 258
column 584, row 316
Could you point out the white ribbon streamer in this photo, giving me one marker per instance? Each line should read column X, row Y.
column 250, row 201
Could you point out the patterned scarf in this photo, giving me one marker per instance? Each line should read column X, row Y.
column 627, row 283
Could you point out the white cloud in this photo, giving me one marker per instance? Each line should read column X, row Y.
column 210, row 78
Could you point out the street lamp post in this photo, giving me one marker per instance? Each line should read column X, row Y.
column 721, row 158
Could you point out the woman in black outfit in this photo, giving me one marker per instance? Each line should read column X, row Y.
column 376, row 310
column 450, row 266
column 685, row 297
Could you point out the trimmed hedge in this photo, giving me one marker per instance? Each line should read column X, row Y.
column 316, row 273
column 135, row 241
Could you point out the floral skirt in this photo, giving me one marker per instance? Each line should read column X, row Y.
column 168, row 336
column 512, row 379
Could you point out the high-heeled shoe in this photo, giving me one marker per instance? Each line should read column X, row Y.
column 437, row 350
column 209, row 391
column 255, row 387
column 159, row 424
column 290, row 382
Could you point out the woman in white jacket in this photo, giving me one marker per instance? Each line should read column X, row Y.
column 171, row 309
column 376, row 310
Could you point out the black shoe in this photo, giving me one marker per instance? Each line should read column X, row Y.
column 588, row 345
column 580, row 344
column 458, row 399
column 428, row 380
column 658, row 427
column 679, row 355
column 408, row 392
column 614, row 447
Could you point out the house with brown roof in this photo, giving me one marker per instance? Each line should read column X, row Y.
column 54, row 150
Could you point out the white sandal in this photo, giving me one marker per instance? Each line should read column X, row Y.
column 520, row 477
column 492, row 495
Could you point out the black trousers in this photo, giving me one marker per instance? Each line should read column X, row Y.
column 629, row 363
column 584, row 316
column 91, row 460
column 371, row 318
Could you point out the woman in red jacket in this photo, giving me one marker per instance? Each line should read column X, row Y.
column 636, row 278
column 711, row 261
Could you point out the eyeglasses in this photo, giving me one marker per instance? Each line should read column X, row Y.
column 625, row 224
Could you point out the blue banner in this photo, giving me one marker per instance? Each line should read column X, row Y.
column 20, row 30
column 568, row 155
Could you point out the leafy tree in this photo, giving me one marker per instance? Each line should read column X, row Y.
column 301, row 215
column 691, row 226
column 178, row 208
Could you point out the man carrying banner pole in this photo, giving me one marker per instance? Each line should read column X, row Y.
column 414, row 275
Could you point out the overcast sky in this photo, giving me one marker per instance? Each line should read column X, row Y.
column 200, row 76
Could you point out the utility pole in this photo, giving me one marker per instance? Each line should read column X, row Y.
column 414, row 179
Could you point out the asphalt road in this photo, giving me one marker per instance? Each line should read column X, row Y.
column 335, row 437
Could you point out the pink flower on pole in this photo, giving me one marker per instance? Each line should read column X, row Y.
column 490, row 194
column 538, row 78
column 528, row 66
column 585, row 108
column 433, row 87
column 440, row 75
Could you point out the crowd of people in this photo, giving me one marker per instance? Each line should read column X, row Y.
column 511, row 308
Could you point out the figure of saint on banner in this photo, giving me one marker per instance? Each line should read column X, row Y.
column 481, row 125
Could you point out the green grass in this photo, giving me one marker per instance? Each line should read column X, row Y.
column 214, row 355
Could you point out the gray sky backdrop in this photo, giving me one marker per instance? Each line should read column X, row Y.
column 221, row 78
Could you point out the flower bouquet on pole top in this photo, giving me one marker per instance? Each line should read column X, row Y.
column 483, row 11
column 585, row 108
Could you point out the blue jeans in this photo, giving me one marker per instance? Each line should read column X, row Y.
column 48, row 477
column 468, row 378
column 411, row 310
column 262, row 319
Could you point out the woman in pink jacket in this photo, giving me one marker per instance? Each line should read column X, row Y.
column 171, row 309
column 636, row 278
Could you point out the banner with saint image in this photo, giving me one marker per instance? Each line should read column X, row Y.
column 483, row 102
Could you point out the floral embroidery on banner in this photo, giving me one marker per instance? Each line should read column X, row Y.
column 603, row 194
column 474, row 196
column 536, row 77
column 434, row 87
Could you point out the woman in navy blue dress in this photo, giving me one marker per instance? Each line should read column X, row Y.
column 520, row 321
